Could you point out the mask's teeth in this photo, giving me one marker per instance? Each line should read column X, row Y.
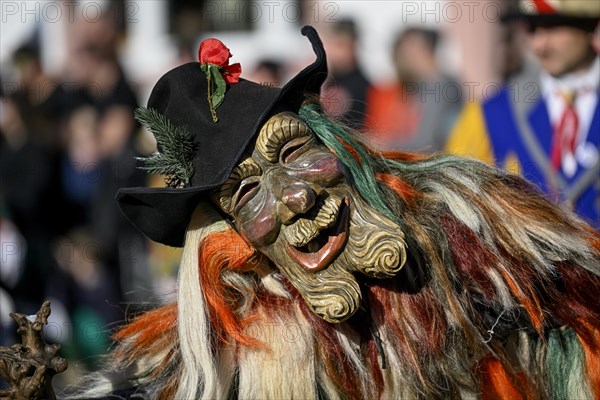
column 302, row 232
column 327, row 215
column 305, row 230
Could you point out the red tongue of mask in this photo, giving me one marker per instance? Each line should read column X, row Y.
column 316, row 261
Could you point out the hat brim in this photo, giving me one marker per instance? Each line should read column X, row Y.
column 549, row 20
column 163, row 214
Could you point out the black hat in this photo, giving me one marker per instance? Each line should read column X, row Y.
column 583, row 14
column 181, row 96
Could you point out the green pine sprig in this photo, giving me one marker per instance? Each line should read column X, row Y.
column 176, row 147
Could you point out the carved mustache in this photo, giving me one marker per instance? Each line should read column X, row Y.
column 306, row 229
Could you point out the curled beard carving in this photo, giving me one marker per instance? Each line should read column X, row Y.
column 333, row 293
column 376, row 247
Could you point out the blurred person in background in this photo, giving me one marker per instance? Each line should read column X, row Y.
column 11, row 248
column 79, row 165
column 267, row 72
column 418, row 111
column 42, row 100
column 29, row 176
column 63, row 155
column 345, row 92
column 548, row 128
column 109, row 103
column 84, row 288
column 516, row 63
column 11, row 269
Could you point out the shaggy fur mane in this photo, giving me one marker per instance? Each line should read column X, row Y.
column 498, row 300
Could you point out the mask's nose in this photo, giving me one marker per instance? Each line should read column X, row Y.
column 298, row 198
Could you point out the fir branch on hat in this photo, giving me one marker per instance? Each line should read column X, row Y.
column 177, row 148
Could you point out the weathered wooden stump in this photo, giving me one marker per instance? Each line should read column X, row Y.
column 29, row 367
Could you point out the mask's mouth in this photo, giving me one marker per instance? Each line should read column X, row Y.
column 322, row 249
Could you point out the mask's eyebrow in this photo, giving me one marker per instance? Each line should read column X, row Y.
column 277, row 131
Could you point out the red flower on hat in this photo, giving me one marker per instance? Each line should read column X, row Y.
column 213, row 51
column 214, row 60
column 232, row 73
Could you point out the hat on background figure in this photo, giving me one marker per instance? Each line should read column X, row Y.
column 583, row 14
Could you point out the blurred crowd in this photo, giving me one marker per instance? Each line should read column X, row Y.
column 65, row 149
column 397, row 115
column 68, row 142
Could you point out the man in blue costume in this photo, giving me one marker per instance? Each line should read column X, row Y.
column 548, row 129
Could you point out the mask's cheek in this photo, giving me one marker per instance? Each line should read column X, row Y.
column 258, row 221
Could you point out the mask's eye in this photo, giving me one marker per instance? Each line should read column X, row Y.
column 245, row 192
column 294, row 149
column 235, row 189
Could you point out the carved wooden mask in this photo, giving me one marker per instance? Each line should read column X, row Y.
column 291, row 199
